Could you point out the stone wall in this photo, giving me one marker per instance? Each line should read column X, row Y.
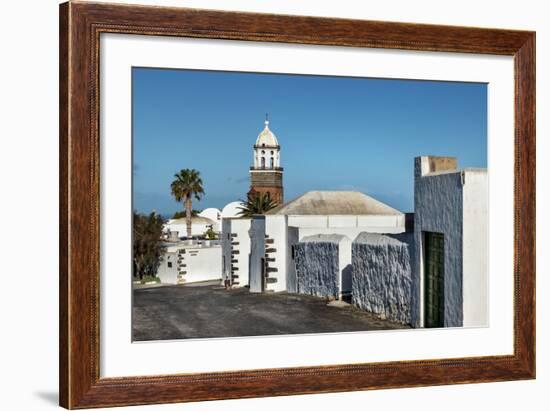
column 267, row 181
column 318, row 265
column 382, row 275
column 266, row 178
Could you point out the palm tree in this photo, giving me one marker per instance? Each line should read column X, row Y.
column 187, row 184
column 257, row 203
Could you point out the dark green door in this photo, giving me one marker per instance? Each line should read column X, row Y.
column 434, row 270
column 263, row 273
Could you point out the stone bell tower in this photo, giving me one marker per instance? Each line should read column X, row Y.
column 266, row 175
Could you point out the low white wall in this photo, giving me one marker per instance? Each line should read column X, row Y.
column 202, row 264
column 197, row 229
column 166, row 274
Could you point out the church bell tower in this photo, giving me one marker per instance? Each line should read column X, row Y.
column 266, row 175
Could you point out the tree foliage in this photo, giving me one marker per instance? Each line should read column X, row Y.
column 257, row 203
column 186, row 185
column 148, row 249
column 210, row 234
column 181, row 214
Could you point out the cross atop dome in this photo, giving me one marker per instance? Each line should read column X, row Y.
column 267, row 138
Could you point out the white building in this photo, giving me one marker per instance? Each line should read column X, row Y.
column 185, row 263
column 339, row 212
column 272, row 236
column 346, row 213
column 451, row 239
column 177, row 228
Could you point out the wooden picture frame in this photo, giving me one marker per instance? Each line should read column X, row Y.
column 80, row 27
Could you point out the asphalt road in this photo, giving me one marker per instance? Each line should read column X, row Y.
column 176, row 312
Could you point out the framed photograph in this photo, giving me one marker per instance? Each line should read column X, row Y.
column 259, row 205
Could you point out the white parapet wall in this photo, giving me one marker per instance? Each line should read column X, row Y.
column 235, row 240
column 191, row 262
column 382, row 275
column 178, row 227
column 323, row 265
column 200, row 264
column 348, row 225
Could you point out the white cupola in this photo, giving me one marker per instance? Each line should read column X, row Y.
column 267, row 154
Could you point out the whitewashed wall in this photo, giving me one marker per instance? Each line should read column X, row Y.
column 276, row 229
column 347, row 225
column 197, row 228
column 203, row 264
column 168, row 275
column 438, row 208
column 236, row 250
column 475, row 248
column 455, row 204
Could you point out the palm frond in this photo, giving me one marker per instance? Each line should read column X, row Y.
column 258, row 203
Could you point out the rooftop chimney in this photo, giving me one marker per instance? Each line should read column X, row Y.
column 430, row 164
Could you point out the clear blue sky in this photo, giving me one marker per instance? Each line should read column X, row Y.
column 336, row 133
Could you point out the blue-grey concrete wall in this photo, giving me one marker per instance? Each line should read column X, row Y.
column 317, row 265
column 382, row 275
column 438, row 206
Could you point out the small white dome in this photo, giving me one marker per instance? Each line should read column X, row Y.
column 212, row 213
column 232, row 209
column 266, row 138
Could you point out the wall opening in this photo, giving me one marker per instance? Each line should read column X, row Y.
column 434, row 283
